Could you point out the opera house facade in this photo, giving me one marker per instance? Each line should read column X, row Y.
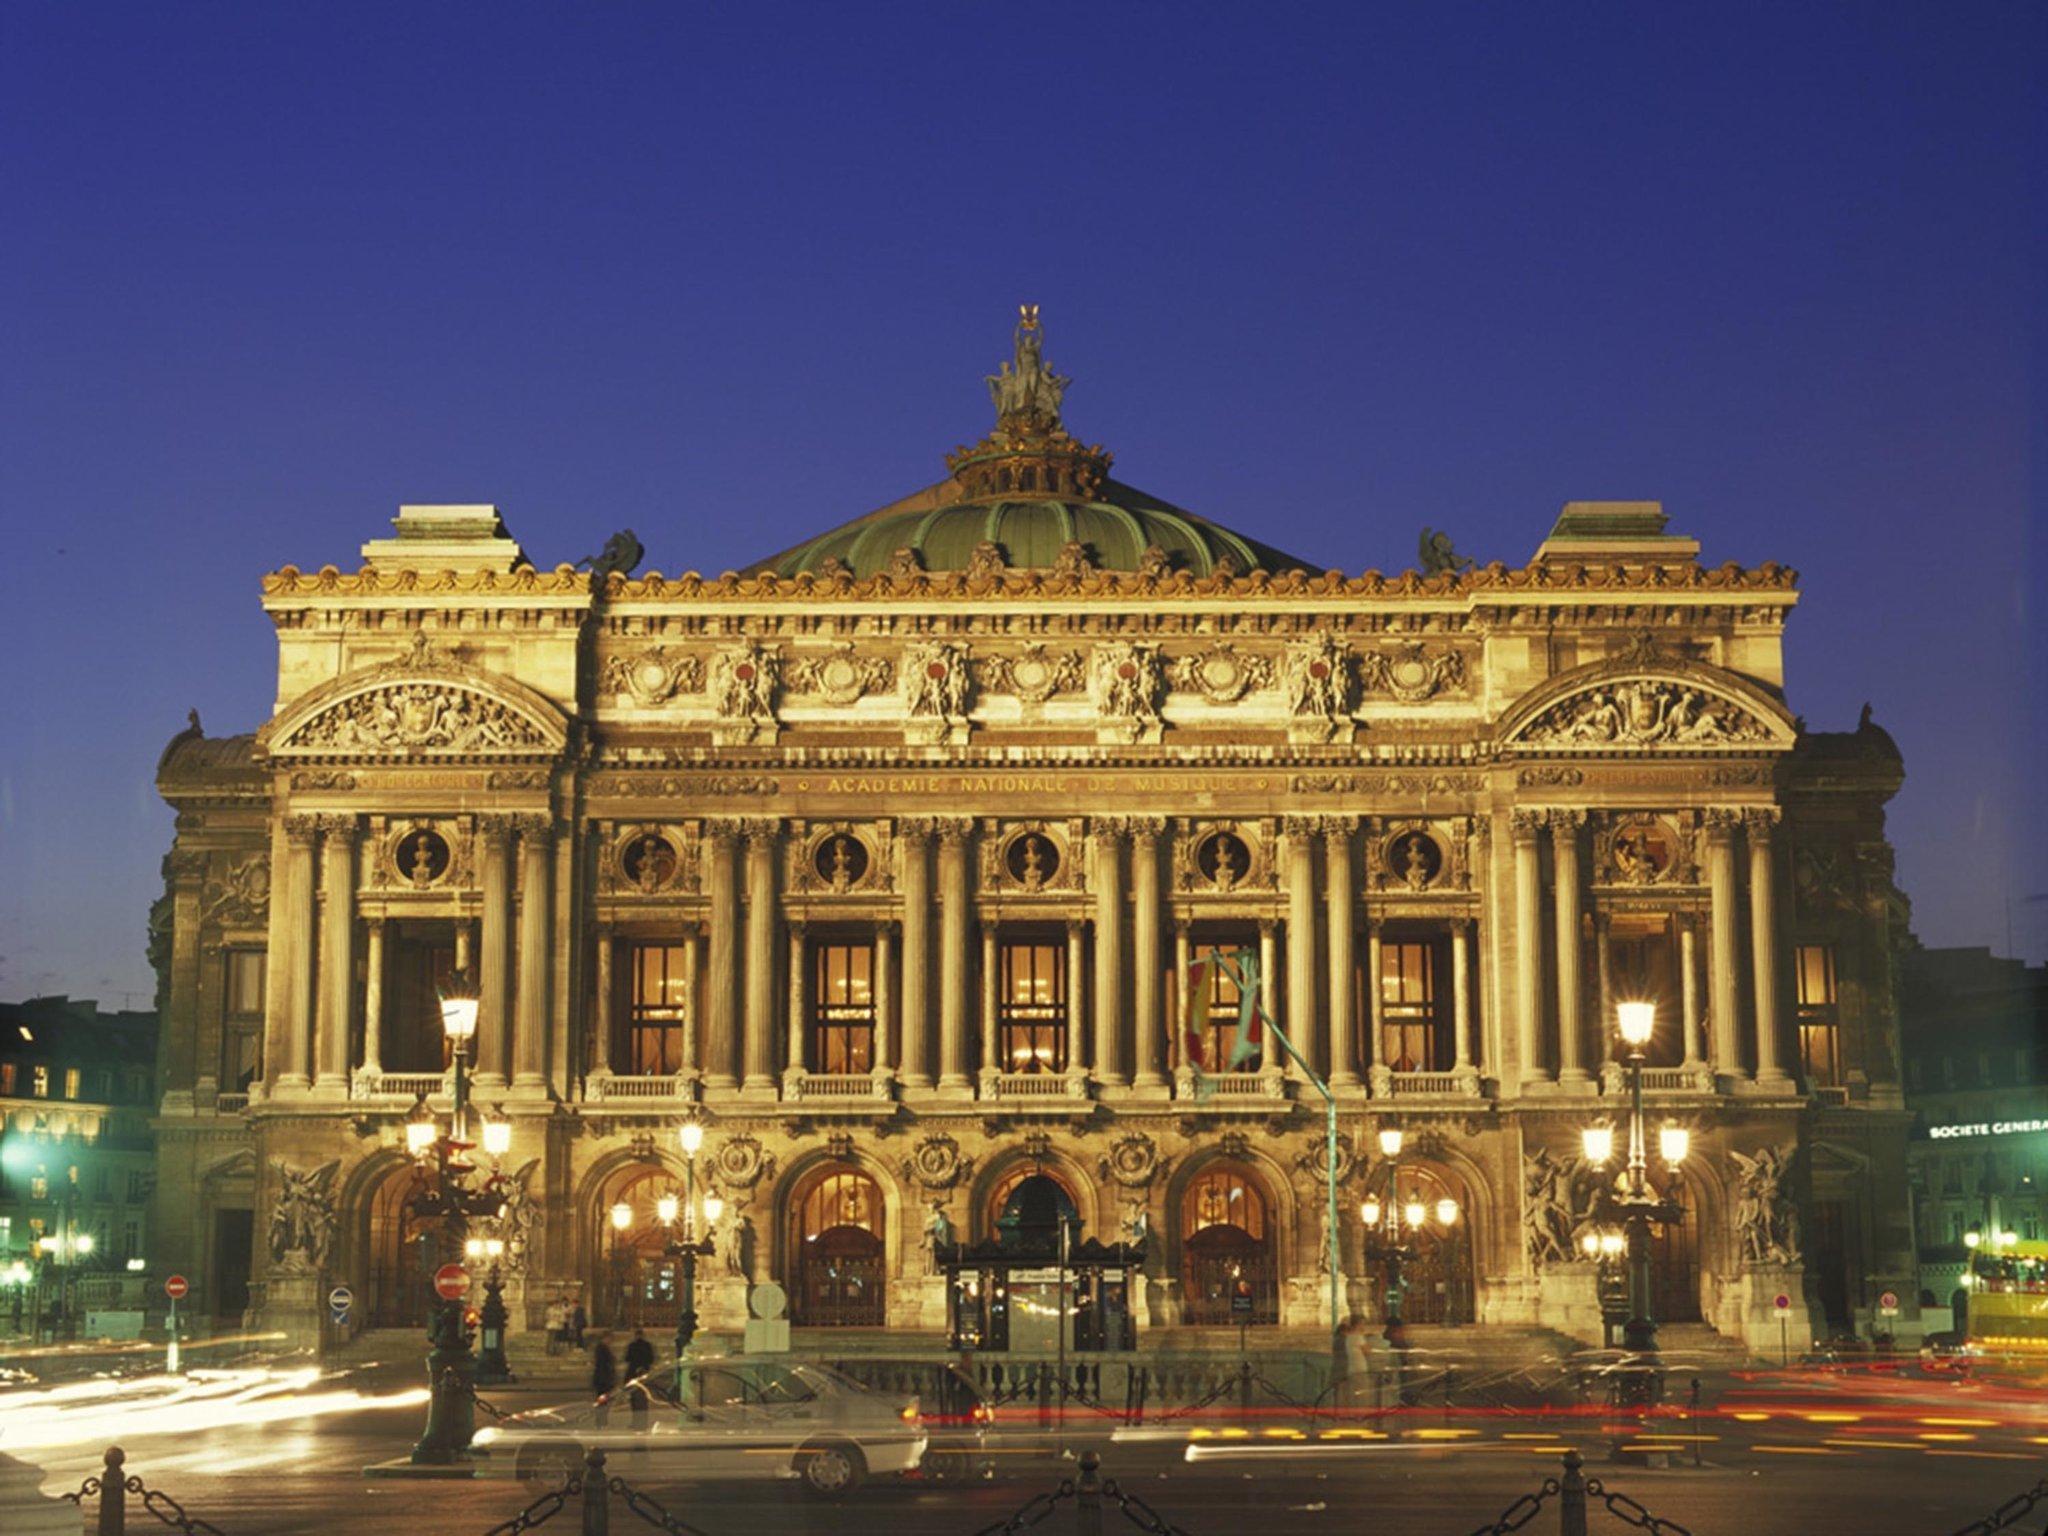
column 895, row 861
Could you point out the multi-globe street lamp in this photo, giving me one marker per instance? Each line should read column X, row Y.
column 442, row 1193
column 685, row 1245
column 1637, row 1203
column 1391, row 1225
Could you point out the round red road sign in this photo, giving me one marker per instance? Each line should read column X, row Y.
column 451, row 1282
column 175, row 1287
column 1781, row 1301
column 1889, row 1301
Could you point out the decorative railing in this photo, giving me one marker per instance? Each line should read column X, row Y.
column 230, row 1103
column 838, row 1086
column 1426, row 1084
column 1835, row 1095
column 1034, row 1085
column 613, row 1087
column 1676, row 1079
column 409, row 1085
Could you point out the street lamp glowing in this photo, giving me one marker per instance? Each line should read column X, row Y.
column 1591, row 1243
column 2008, row 1239
column 1611, row 1243
column 1390, row 1141
column 1674, row 1141
column 1416, row 1212
column 497, row 1137
column 494, row 1248
column 82, row 1243
column 713, row 1209
column 1972, row 1239
column 419, row 1137
column 666, row 1209
column 622, row 1216
column 1447, row 1211
column 1638, row 1021
column 1598, row 1142
column 1369, row 1213
column 473, row 1249
column 691, row 1135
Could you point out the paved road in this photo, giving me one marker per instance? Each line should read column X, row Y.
column 1781, row 1458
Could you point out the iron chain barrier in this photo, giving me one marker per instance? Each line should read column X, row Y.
column 1522, row 1511
column 112, row 1488
column 1572, row 1490
column 595, row 1489
column 2010, row 1513
column 542, row 1509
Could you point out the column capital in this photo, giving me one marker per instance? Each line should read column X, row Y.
column 336, row 827
column 1108, row 831
column 1527, row 822
column 796, row 927
column 761, row 832
column 533, row 828
column 1374, row 921
column 497, row 828
column 955, row 831
column 1602, row 919
column 184, row 866
column 1462, row 922
column 1720, row 822
column 1268, row 927
column 988, row 926
column 1145, row 829
column 721, row 829
column 916, row 831
column 1182, row 926
column 1300, row 828
column 1337, row 832
column 301, row 829
column 1076, row 926
column 1564, row 825
column 1758, row 820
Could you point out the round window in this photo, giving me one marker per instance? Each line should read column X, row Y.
column 1223, row 859
column 649, row 861
column 421, row 855
column 841, row 860
column 1031, row 859
column 1415, row 858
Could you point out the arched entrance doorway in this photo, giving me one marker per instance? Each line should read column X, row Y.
column 637, row 1284
column 402, row 1252
column 1436, row 1271
column 1027, row 1208
column 1675, row 1262
column 1229, row 1273
column 839, row 1252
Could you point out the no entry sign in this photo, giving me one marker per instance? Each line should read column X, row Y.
column 175, row 1287
column 451, row 1282
column 1781, row 1301
column 1888, row 1304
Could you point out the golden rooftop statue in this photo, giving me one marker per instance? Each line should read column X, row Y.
column 1027, row 395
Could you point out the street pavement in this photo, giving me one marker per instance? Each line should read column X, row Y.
column 275, row 1455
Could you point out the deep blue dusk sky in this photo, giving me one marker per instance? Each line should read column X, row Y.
column 731, row 274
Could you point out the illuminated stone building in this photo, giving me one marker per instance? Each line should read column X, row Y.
column 889, row 856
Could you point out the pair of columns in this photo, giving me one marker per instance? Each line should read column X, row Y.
column 1724, row 969
column 312, row 1001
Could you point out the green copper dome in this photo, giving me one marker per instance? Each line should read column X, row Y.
column 1115, row 529
column 1029, row 496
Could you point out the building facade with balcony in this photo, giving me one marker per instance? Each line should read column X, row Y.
column 893, row 857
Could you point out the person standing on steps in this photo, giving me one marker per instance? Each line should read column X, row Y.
column 639, row 1361
column 604, row 1377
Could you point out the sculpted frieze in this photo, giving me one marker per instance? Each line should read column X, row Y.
column 1221, row 674
column 417, row 717
column 1316, row 672
column 1125, row 679
column 742, row 683
column 841, row 675
column 1644, row 712
column 935, row 680
column 652, row 676
column 1412, row 673
column 1034, row 673
column 239, row 893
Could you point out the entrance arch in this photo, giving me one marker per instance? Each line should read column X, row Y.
column 1437, row 1271
column 1227, row 1249
column 840, row 1269
column 1028, row 1207
column 637, row 1284
column 400, row 1247
column 1675, row 1261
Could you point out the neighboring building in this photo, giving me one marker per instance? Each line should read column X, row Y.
column 891, row 857
column 1976, row 1040
column 77, row 1089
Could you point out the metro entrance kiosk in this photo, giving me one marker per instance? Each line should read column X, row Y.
column 1009, row 1297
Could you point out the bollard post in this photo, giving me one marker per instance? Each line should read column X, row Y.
column 113, row 1494
column 1088, row 1496
column 1244, row 1390
column 597, row 1499
column 1692, row 1420
column 1571, row 1497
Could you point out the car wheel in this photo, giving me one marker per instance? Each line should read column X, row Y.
column 947, row 1466
column 548, row 1463
column 831, row 1469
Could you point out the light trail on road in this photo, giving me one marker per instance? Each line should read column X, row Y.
column 99, row 1413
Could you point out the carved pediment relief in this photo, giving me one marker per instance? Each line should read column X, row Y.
column 426, row 704
column 1669, row 705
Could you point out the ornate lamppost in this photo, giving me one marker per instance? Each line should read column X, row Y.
column 1389, row 1226
column 442, row 1192
column 686, row 1245
column 1637, row 1204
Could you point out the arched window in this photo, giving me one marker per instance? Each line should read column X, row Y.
column 1229, row 1271
column 1027, row 1207
column 839, row 1257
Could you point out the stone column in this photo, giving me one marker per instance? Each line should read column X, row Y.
column 794, row 1060
column 1376, row 1004
column 1147, row 1004
column 915, row 838
column 991, row 1061
column 693, row 1010
column 601, row 1009
column 1301, row 943
column 464, row 944
column 722, row 995
column 885, row 997
column 1109, row 969
column 494, row 962
column 1689, row 988
column 1461, row 990
column 1527, row 825
column 1571, row 1020
column 295, row 1061
column 530, row 1032
column 1763, row 945
column 763, row 837
column 1343, row 968
column 178, row 1036
column 1183, row 957
column 1077, row 1067
column 1269, row 988
column 1723, row 950
column 953, row 900
column 373, row 998
column 1603, row 957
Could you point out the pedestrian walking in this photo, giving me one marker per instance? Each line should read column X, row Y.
column 639, row 1361
column 578, row 1321
column 604, row 1377
column 557, row 1324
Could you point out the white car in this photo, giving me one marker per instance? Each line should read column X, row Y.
column 729, row 1417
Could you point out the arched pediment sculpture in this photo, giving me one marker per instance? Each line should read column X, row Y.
column 1645, row 705
column 423, row 705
